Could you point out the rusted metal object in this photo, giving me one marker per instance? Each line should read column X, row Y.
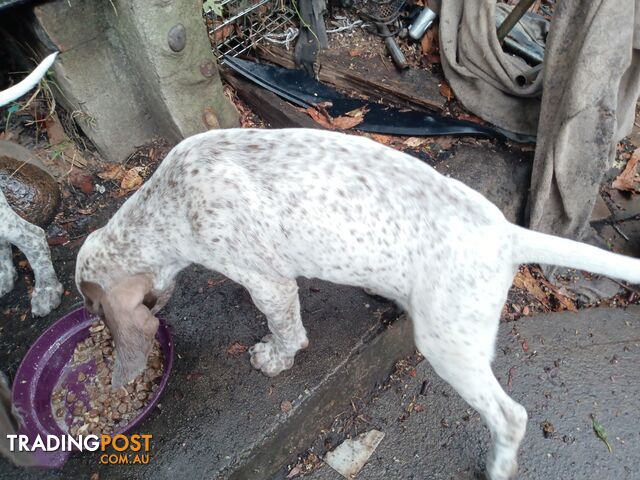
column 30, row 191
column 513, row 18
column 177, row 38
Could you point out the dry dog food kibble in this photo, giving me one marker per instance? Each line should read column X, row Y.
column 92, row 406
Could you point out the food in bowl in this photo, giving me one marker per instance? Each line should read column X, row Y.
column 83, row 401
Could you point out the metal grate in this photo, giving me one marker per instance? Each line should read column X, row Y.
column 244, row 23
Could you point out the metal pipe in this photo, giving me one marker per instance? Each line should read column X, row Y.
column 513, row 18
column 529, row 76
column 394, row 50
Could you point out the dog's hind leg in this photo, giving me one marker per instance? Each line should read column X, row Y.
column 457, row 336
column 277, row 298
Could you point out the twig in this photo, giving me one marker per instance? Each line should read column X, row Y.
column 622, row 234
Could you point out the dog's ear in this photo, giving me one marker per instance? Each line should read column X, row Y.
column 93, row 295
column 132, row 326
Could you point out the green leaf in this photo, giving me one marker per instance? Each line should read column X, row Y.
column 213, row 6
column 601, row 433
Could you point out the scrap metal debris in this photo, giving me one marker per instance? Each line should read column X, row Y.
column 304, row 91
column 350, row 456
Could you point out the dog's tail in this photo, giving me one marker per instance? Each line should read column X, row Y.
column 19, row 89
column 535, row 247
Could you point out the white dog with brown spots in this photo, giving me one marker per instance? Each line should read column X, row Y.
column 264, row 207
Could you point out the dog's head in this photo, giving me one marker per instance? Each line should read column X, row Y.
column 126, row 307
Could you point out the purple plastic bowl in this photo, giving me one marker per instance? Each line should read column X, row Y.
column 46, row 363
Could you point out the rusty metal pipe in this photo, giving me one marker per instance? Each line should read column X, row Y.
column 513, row 18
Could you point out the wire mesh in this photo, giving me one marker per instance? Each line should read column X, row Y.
column 244, row 24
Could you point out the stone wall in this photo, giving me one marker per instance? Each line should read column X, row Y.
column 133, row 70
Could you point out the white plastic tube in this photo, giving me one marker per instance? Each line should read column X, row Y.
column 18, row 90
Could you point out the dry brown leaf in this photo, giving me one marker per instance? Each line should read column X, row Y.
column 429, row 42
column 81, row 180
column 525, row 281
column 236, row 349
column 344, row 123
column 415, row 142
column 470, row 117
column 114, row 172
column 131, row 179
column 358, row 112
column 446, row 92
column 319, row 117
column 285, row 406
column 350, row 120
column 564, row 301
column 55, row 131
column 629, row 179
column 445, row 142
column 383, row 139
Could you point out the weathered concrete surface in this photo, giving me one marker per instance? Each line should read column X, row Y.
column 577, row 365
column 501, row 175
column 119, row 72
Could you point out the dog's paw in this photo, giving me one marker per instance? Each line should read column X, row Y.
column 7, row 279
column 267, row 357
column 46, row 298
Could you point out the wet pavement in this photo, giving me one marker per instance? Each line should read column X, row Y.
column 576, row 365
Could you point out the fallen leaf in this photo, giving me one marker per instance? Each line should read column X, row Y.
column 285, row 406
column 345, row 123
column 418, row 407
column 429, row 43
column 525, row 346
column 445, row 142
column 548, row 429
column 629, row 179
column 236, row 349
column 601, row 433
column 415, row 142
column 82, row 181
column 114, row 172
column 355, row 52
column 446, row 92
column 357, row 112
column 566, row 302
column 297, row 470
column 525, row 281
column 470, row 117
column 319, row 117
column 55, row 131
column 510, row 375
column 53, row 241
column 131, row 179
column 383, row 139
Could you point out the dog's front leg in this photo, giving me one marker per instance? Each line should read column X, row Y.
column 277, row 298
column 31, row 240
column 7, row 270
